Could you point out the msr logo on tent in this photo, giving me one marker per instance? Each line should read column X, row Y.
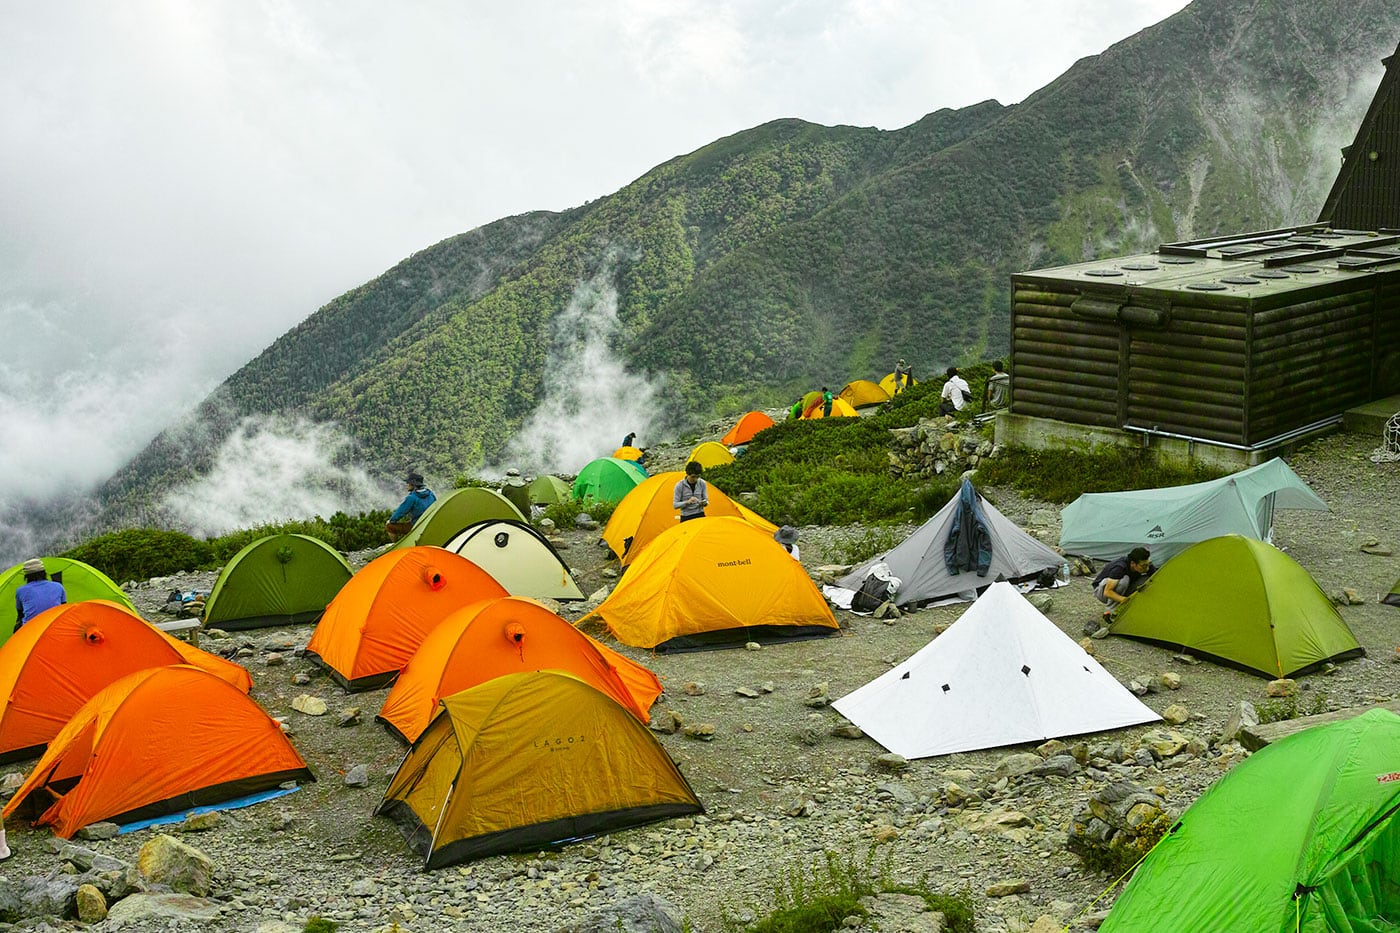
column 1156, row 532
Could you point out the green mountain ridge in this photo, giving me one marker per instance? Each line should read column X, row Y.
column 806, row 254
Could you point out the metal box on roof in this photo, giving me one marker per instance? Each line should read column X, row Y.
column 1241, row 340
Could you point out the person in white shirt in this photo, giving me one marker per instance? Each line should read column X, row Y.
column 956, row 393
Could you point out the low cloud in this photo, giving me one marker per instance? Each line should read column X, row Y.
column 591, row 399
column 273, row 469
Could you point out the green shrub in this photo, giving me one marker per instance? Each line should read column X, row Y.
column 1063, row 475
column 142, row 553
column 564, row 513
column 318, row 924
column 1292, row 707
column 857, row 547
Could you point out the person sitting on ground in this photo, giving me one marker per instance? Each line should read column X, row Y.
column 827, row 399
column 902, row 373
column 412, row 508
column 692, row 494
column 37, row 593
column 998, row 391
column 787, row 537
column 955, row 394
column 1120, row 578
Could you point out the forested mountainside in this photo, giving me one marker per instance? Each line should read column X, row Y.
column 793, row 254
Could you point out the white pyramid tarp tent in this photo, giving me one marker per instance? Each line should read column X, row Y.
column 1107, row 525
column 1003, row 674
column 919, row 564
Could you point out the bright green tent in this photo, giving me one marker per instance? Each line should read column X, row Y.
column 455, row 511
column 1243, row 602
column 549, row 490
column 1302, row 836
column 607, row 479
column 80, row 582
column 281, row 579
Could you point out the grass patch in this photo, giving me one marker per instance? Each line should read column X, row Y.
column 1063, row 475
column 1292, row 707
column 820, row 898
column 859, row 546
column 564, row 513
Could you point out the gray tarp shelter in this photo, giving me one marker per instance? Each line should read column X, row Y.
column 1107, row 525
column 924, row 576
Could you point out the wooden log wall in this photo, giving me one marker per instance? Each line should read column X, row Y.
column 1387, row 354
column 1188, row 377
column 1064, row 366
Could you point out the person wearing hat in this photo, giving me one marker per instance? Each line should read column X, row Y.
column 901, row 376
column 787, row 537
column 37, row 593
column 412, row 508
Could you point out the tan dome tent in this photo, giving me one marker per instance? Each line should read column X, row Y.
column 282, row 579
column 455, row 511
column 520, row 558
column 530, row 760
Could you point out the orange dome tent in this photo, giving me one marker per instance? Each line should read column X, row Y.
column 376, row 622
column 158, row 741
column 715, row 582
column 861, row 393
column 496, row 637
column 62, row 657
column 840, row 408
column 528, row 760
column 646, row 512
column 747, row 426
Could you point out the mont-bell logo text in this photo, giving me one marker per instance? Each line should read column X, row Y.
column 734, row 563
column 1156, row 532
column 559, row 743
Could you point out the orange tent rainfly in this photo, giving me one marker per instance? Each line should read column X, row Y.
column 376, row 622
column 715, row 582
column 529, row 760
column 156, row 742
column 646, row 512
column 55, row 663
column 506, row 636
column 747, row 426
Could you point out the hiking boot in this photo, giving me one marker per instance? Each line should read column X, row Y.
column 1092, row 627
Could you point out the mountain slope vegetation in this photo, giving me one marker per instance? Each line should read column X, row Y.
column 792, row 254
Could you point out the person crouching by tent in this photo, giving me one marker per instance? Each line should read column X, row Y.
column 411, row 508
column 1120, row 578
column 37, row 593
column 787, row 537
column 692, row 494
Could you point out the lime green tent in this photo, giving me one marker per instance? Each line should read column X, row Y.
column 455, row 511
column 80, row 582
column 1302, row 836
column 607, row 479
column 549, row 490
column 281, row 579
column 1243, row 602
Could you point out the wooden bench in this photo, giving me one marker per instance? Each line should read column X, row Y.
column 187, row 629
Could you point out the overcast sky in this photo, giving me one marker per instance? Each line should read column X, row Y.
column 182, row 182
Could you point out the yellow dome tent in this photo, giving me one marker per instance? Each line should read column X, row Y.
column 711, row 454
column 529, row 760
column 634, row 454
column 861, row 393
column 646, row 512
column 840, row 408
column 715, row 582
column 887, row 383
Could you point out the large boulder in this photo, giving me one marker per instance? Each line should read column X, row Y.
column 167, row 861
column 641, row 913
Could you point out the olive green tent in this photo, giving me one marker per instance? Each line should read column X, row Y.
column 455, row 511
column 1393, row 597
column 549, row 490
column 281, row 579
column 1303, row 835
column 1240, row 601
column 80, row 583
column 607, row 479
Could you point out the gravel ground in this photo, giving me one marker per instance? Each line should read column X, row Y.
column 778, row 787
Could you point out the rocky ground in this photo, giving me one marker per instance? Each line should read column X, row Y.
column 780, row 783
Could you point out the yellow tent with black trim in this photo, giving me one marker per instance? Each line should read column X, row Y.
column 646, row 512
column 715, row 582
column 530, row 760
column 861, row 393
column 889, row 386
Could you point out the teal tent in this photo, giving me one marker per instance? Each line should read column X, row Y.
column 280, row 579
column 80, row 583
column 607, row 479
column 1107, row 525
column 1302, row 836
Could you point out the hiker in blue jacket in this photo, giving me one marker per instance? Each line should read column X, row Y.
column 412, row 508
column 37, row 593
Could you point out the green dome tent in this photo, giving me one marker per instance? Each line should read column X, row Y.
column 281, row 579
column 80, row 582
column 455, row 511
column 1393, row 597
column 607, row 479
column 1243, row 602
column 1304, row 835
column 549, row 490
